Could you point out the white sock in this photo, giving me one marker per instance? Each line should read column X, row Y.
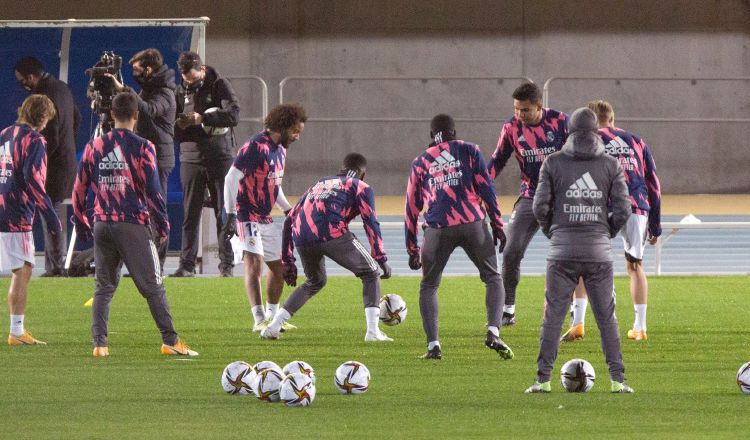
column 281, row 317
column 640, row 317
column 16, row 325
column 258, row 314
column 510, row 309
column 372, row 315
column 494, row 330
column 433, row 344
column 579, row 311
column 271, row 310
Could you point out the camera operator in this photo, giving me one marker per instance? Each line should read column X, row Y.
column 156, row 109
column 60, row 135
column 207, row 108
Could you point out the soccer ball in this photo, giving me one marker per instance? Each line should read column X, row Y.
column 266, row 385
column 237, row 378
column 299, row 367
column 392, row 309
column 352, row 377
column 577, row 376
column 264, row 365
column 297, row 389
column 743, row 378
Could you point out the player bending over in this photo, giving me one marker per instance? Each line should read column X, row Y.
column 318, row 226
column 23, row 170
column 251, row 189
column 450, row 179
column 120, row 169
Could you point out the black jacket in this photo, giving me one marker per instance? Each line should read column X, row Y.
column 60, row 134
column 214, row 92
column 156, row 113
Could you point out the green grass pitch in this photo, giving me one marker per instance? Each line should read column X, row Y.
column 683, row 375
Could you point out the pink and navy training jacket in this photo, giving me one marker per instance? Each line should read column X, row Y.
column 120, row 169
column 23, row 171
column 262, row 162
column 451, row 179
column 640, row 173
column 531, row 144
column 324, row 212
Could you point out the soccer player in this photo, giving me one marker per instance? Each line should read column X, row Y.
column 318, row 226
column 576, row 185
column 251, row 189
column 645, row 222
column 120, row 169
column 532, row 134
column 23, row 170
column 450, row 179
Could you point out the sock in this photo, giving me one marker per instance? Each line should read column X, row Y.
column 271, row 310
column 432, row 345
column 258, row 314
column 494, row 330
column 640, row 317
column 372, row 315
column 281, row 317
column 579, row 311
column 509, row 309
column 16, row 325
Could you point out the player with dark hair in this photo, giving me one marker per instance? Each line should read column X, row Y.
column 450, row 180
column 120, row 169
column 23, row 170
column 643, row 225
column 251, row 189
column 575, row 188
column 318, row 226
column 532, row 134
column 60, row 136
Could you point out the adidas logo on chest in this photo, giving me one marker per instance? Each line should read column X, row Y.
column 114, row 160
column 584, row 188
column 444, row 162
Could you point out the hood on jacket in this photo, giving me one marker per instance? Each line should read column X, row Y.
column 583, row 141
column 163, row 77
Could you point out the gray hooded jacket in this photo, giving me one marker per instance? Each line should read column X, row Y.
column 576, row 187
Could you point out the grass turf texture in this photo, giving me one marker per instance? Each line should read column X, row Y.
column 683, row 375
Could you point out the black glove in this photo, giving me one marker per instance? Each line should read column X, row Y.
column 386, row 270
column 229, row 229
column 290, row 274
column 83, row 233
column 499, row 236
column 414, row 262
column 286, row 213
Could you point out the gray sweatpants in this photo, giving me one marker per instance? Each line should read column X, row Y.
column 562, row 277
column 115, row 243
column 348, row 253
column 521, row 229
column 437, row 246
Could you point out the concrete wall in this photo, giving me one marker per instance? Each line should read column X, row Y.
column 513, row 38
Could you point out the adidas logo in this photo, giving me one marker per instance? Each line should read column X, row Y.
column 521, row 139
column 444, row 162
column 271, row 163
column 584, row 187
column 5, row 156
column 113, row 161
column 617, row 147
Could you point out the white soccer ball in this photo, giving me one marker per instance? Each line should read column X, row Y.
column 577, row 376
column 266, row 385
column 264, row 365
column 237, row 378
column 743, row 378
column 352, row 377
column 297, row 389
column 299, row 367
column 392, row 309
column 214, row 131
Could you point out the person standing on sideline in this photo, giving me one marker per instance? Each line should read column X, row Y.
column 642, row 226
column 450, row 179
column 251, row 189
column 532, row 134
column 319, row 226
column 60, row 134
column 120, row 169
column 576, row 187
column 23, row 169
column 156, row 111
column 208, row 109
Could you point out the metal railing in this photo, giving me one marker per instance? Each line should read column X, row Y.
column 263, row 96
